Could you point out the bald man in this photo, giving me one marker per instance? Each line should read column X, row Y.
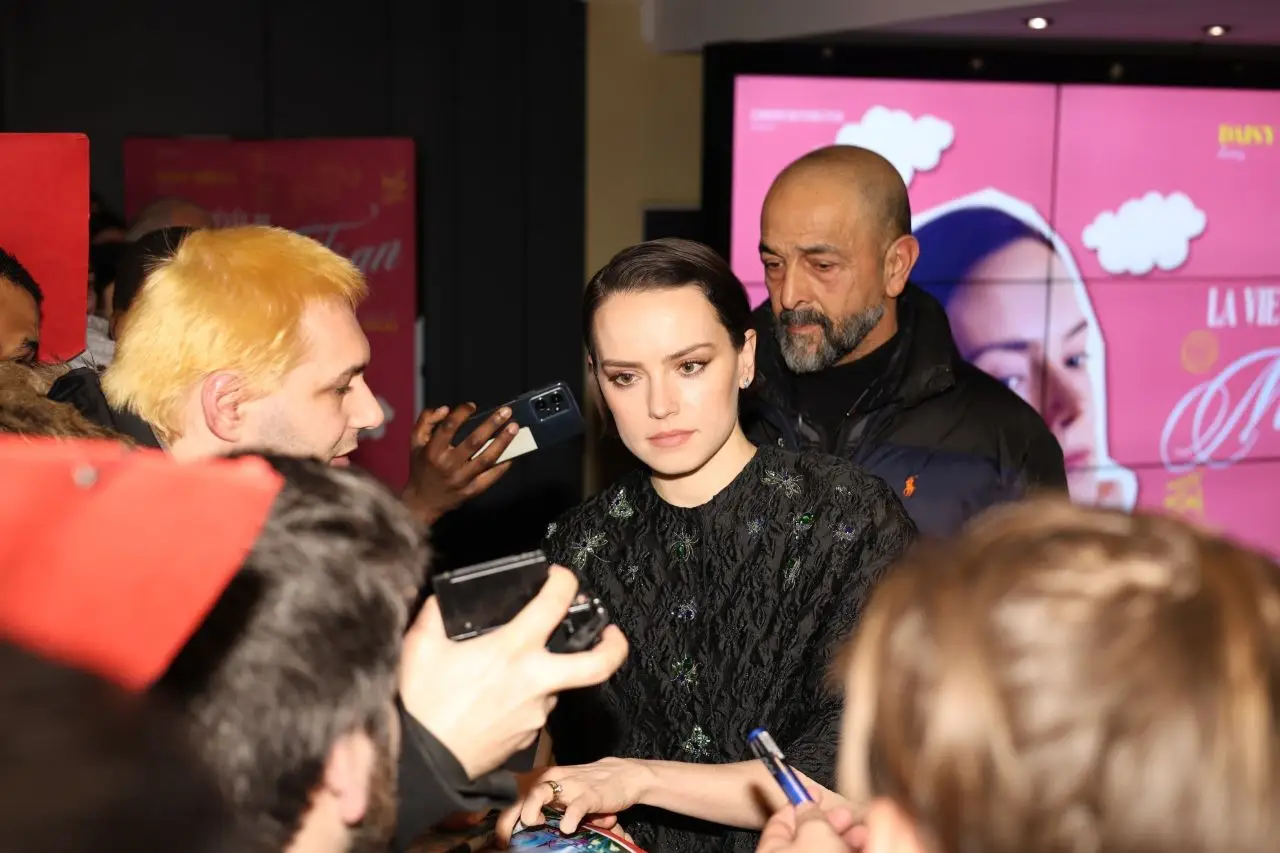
column 856, row 361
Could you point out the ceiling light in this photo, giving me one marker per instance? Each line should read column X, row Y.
column 1038, row 23
column 1216, row 30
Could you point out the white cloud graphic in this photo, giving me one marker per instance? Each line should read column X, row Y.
column 910, row 144
column 1145, row 233
column 388, row 413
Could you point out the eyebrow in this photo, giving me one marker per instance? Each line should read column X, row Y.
column 1077, row 329
column 815, row 249
column 347, row 375
column 675, row 356
column 1002, row 346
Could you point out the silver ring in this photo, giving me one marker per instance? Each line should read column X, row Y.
column 556, row 790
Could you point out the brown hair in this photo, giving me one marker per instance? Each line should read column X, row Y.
column 24, row 410
column 670, row 264
column 1063, row 679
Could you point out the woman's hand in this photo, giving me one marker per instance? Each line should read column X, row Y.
column 812, row 830
column 601, row 789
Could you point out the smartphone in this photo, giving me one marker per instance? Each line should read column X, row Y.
column 477, row 599
column 546, row 417
column 549, row 837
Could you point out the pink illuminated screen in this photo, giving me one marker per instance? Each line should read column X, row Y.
column 1116, row 242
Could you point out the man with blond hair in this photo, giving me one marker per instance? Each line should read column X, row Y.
column 247, row 337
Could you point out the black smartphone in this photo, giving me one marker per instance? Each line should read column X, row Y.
column 546, row 417
column 477, row 599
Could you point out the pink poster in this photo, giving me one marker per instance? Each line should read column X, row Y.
column 1103, row 250
column 354, row 195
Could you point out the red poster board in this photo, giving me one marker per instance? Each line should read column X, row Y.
column 354, row 195
column 44, row 223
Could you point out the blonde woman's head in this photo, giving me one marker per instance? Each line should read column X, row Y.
column 1069, row 680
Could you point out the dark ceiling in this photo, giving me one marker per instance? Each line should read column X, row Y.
column 1251, row 22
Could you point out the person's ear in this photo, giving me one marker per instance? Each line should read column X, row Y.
column 890, row 829
column 348, row 775
column 222, row 399
column 898, row 263
column 747, row 360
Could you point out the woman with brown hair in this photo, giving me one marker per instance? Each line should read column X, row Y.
column 1063, row 680
column 736, row 572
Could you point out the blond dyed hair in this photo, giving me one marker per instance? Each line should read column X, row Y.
column 231, row 300
column 1072, row 680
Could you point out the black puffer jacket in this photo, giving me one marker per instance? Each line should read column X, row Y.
column 948, row 438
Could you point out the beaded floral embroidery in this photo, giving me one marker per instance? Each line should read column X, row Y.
column 786, row 482
column 589, row 547
column 619, row 507
column 698, row 743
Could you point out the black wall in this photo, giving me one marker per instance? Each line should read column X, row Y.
column 493, row 91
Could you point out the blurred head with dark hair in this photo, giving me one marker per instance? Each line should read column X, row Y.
column 105, row 225
column 136, row 261
column 86, row 766
column 20, row 301
column 106, row 240
column 291, row 679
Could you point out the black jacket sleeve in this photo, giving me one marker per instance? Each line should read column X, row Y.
column 433, row 784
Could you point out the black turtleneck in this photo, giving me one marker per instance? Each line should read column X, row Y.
column 827, row 396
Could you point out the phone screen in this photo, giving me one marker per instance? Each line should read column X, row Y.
column 549, row 838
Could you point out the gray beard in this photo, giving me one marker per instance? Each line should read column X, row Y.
column 838, row 339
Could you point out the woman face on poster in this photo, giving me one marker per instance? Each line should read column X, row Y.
column 1020, row 312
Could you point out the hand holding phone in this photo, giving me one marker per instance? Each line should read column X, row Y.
column 487, row 698
column 443, row 473
column 478, row 599
column 543, row 418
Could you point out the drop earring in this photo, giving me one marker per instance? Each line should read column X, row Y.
column 745, row 383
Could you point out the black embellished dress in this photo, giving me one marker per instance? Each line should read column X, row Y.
column 733, row 610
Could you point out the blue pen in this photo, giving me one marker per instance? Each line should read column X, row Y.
column 767, row 751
